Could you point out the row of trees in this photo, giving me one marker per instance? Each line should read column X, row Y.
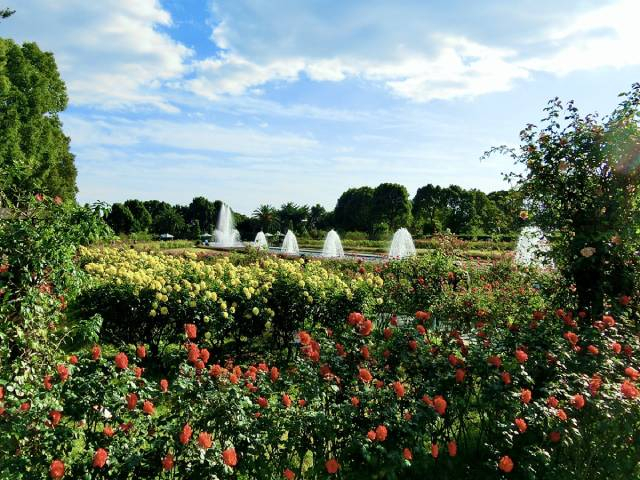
column 376, row 212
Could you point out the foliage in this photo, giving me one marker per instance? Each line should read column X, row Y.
column 34, row 151
column 581, row 188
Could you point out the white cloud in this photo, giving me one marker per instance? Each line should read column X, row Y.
column 410, row 48
column 607, row 36
column 110, row 52
column 186, row 135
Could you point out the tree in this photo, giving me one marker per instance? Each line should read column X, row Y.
column 317, row 217
column 391, row 205
column 120, row 219
column 266, row 217
column 459, row 209
column 353, row 210
column 204, row 211
column 142, row 217
column 171, row 222
column 34, row 151
column 580, row 185
column 293, row 216
column 509, row 204
column 429, row 200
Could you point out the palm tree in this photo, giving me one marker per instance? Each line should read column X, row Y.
column 267, row 217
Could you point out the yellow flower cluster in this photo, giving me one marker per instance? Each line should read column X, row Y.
column 218, row 287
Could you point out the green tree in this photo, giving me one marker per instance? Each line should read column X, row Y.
column 34, row 151
column 120, row 219
column 317, row 217
column 580, row 184
column 391, row 205
column 353, row 210
column 171, row 222
column 293, row 216
column 429, row 200
column 141, row 216
column 267, row 218
column 204, row 211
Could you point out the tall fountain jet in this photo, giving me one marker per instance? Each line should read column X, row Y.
column 290, row 244
column 225, row 234
column 332, row 246
column 261, row 241
column 402, row 245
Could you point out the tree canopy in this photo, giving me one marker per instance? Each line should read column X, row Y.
column 34, row 151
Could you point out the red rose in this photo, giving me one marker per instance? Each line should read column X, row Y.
column 495, row 361
column 73, row 359
column 453, row 448
column 332, row 466
column 55, row 417
column 632, row 373
column 506, row 378
column 562, row 415
column 132, row 401
column 440, row 404
column 148, row 408
column 95, row 352
column 108, row 431
column 434, row 450
column 554, row 437
column 56, row 470
column 275, row 374
column 141, row 351
column 100, row 458
column 521, row 424
column 167, row 462
column 204, row 355
column 39, row 197
column 355, row 318
column 191, row 330
column 164, row 385
column 399, row 389
column 185, row 434
column 413, row 345
column 364, row 375
column 47, row 382
column 204, row 440
column 137, row 371
column 593, row 350
column 406, row 453
column 305, row 338
column 25, row 406
column 229, row 457
column 578, row 401
column 286, row 400
column 288, row 474
column 521, row 356
column 381, row 433
column 460, row 374
column 366, row 327
column 552, row 402
column 364, row 351
column 122, row 362
column 525, row 395
column 571, row 337
column 506, row 464
column 616, row 347
column 628, row 389
column 355, row 401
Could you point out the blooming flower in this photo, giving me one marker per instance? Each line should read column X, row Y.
column 364, row 375
column 434, row 450
column 440, row 404
column 399, row 389
column 95, row 352
column 521, row 356
column 229, row 457
column 525, row 395
column 185, row 434
column 381, row 433
column 406, row 453
column 56, row 469
column 164, row 385
column 190, row 330
column 288, row 474
column 521, row 424
column 505, row 464
column 132, row 401
column 148, row 408
column 167, row 462
column 587, row 252
column 332, row 466
column 100, row 458
column 578, row 401
column 452, row 447
column 204, row 440
column 122, row 361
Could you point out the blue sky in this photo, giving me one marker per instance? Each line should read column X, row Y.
column 271, row 101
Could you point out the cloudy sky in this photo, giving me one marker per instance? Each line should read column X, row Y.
column 252, row 101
